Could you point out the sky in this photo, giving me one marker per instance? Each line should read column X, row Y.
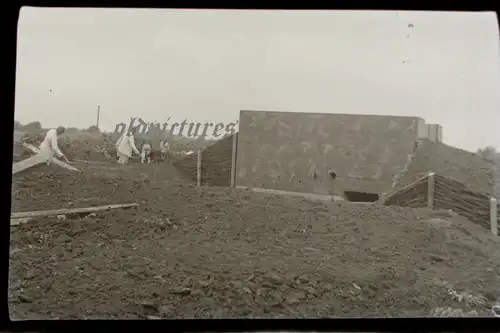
column 207, row 65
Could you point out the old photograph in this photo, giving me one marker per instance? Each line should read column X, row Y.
column 174, row 164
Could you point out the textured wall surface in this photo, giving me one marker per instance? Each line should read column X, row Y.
column 294, row 151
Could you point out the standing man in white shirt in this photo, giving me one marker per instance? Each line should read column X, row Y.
column 126, row 145
column 49, row 146
column 164, row 147
column 146, row 152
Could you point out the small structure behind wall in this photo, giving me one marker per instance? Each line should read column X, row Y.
column 431, row 132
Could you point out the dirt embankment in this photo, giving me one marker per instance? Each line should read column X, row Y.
column 52, row 187
column 191, row 252
column 447, row 194
column 460, row 165
column 76, row 144
column 216, row 164
column 463, row 182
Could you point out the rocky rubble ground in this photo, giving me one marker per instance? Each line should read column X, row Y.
column 189, row 252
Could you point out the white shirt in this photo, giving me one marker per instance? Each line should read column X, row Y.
column 126, row 144
column 49, row 144
column 164, row 147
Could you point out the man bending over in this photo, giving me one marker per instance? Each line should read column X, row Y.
column 49, row 146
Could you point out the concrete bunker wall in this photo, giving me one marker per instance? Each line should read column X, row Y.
column 295, row 151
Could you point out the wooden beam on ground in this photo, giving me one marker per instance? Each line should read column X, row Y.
column 88, row 162
column 28, row 163
column 19, row 221
column 43, row 213
column 310, row 196
column 54, row 160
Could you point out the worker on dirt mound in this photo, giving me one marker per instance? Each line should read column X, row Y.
column 126, row 145
column 164, row 147
column 333, row 176
column 146, row 152
column 49, row 146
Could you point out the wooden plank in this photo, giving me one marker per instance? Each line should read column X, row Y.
column 43, row 213
column 14, row 222
column 311, row 196
column 54, row 160
column 233, row 159
column 408, row 186
column 27, row 163
column 88, row 162
column 198, row 169
column 430, row 191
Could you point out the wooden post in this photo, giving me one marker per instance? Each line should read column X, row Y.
column 430, row 190
column 494, row 216
column 381, row 198
column 98, row 114
column 198, row 169
column 233, row 159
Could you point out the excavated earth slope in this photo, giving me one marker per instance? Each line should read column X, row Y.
column 76, row 144
column 189, row 252
column 465, row 167
column 216, row 164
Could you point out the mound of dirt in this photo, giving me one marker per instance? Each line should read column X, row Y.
column 216, row 164
column 51, row 187
column 77, row 144
column 189, row 252
column 465, row 167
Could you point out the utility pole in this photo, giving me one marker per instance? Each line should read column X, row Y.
column 98, row 113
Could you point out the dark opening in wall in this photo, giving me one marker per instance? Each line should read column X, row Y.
column 354, row 196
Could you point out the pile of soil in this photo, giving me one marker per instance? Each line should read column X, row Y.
column 465, row 167
column 76, row 144
column 189, row 252
column 45, row 187
column 216, row 164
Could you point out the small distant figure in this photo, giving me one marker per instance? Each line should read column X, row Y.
column 164, row 147
column 49, row 146
column 333, row 176
column 126, row 145
column 146, row 152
